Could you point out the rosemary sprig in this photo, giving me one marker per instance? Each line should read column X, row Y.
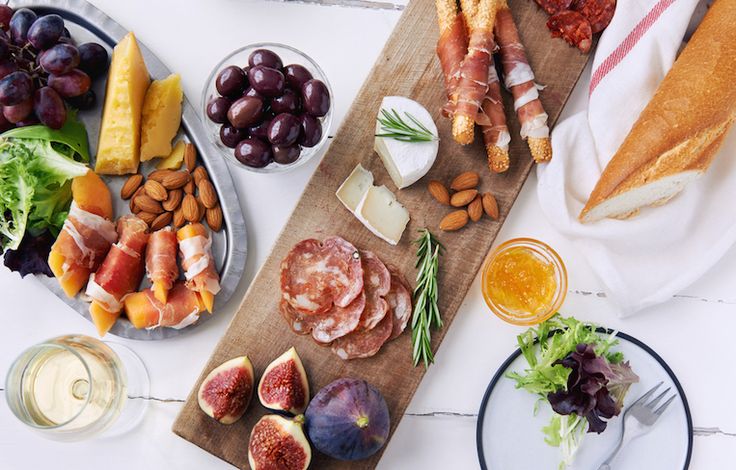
column 426, row 311
column 395, row 127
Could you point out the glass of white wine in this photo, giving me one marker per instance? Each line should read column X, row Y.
column 75, row 387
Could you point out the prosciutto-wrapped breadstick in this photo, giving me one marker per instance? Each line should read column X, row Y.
column 473, row 84
column 120, row 274
column 496, row 135
column 86, row 236
column 195, row 247
column 519, row 79
column 161, row 267
column 182, row 308
column 451, row 48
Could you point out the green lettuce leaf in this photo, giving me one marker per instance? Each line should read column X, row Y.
column 70, row 140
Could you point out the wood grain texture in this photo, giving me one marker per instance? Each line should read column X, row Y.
column 409, row 67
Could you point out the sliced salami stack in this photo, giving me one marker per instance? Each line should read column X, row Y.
column 345, row 298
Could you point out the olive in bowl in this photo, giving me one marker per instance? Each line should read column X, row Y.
column 268, row 107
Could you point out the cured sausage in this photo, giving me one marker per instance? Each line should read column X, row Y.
column 399, row 302
column 599, row 13
column 376, row 283
column 363, row 343
column 554, row 6
column 325, row 327
column 573, row 27
column 315, row 274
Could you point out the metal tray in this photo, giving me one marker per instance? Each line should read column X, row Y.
column 87, row 23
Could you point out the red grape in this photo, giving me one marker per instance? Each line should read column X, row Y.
column 60, row 59
column 49, row 107
column 45, row 31
column 15, row 88
column 19, row 24
column 6, row 13
column 68, row 85
column 18, row 112
column 93, row 59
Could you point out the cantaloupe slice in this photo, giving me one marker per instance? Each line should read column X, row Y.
column 118, row 152
column 175, row 158
column 92, row 194
column 208, row 299
column 73, row 280
column 161, row 117
column 102, row 319
column 139, row 310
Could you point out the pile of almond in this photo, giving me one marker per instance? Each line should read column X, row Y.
column 173, row 196
column 465, row 196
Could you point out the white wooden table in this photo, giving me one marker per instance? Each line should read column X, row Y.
column 693, row 332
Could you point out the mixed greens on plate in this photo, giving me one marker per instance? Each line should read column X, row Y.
column 574, row 370
column 37, row 165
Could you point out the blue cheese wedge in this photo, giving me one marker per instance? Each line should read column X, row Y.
column 352, row 190
column 382, row 214
column 406, row 162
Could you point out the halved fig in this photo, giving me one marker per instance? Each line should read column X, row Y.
column 283, row 385
column 226, row 391
column 279, row 443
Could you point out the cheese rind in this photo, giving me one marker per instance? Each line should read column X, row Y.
column 406, row 162
column 120, row 130
column 383, row 214
column 161, row 117
column 352, row 190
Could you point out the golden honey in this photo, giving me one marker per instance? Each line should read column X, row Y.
column 524, row 281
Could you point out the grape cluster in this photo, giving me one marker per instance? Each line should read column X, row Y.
column 268, row 111
column 41, row 68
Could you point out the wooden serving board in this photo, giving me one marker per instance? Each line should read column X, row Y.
column 408, row 67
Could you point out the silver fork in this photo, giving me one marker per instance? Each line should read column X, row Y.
column 639, row 418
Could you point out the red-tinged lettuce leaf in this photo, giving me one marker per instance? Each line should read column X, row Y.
column 31, row 255
column 589, row 387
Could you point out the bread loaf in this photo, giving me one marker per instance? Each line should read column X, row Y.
column 676, row 136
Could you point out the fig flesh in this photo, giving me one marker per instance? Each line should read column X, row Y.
column 284, row 385
column 348, row 420
column 279, row 443
column 226, row 391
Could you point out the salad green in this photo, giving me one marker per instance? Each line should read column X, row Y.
column 37, row 165
column 572, row 367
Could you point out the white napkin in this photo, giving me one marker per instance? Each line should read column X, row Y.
column 646, row 259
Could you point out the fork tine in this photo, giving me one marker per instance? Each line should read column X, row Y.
column 646, row 395
column 657, row 399
column 664, row 406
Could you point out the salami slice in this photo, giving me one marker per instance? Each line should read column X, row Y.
column 325, row 327
column 599, row 13
column 376, row 283
column 314, row 275
column 399, row 302
column 554, row 6
column 363, row 343
column 573, row 27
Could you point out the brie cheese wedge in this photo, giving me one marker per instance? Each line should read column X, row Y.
column 406, row 162
column 383, row 214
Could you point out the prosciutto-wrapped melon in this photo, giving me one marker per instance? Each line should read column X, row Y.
column 182, row 308
column 195, row 247
column 161, row 267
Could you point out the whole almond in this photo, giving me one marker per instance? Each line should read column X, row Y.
column 475, row 209
column 490, row 206
column 189, row 187
column 156, row 190
column 202, row 208
column 147, row 217
column 158, row 175
column 190, row 207
column 179, row 219
column 454, row 220
column 147, row 204
column 131, row 185
column 190, row 157
column 175, row 180
column 207, row 193
column 133, row 207
column 199, row 174
column 214, row 218
column 173, row 201
column 463, row 198
column 439, row 192
column 463, row 181
column 161, row 221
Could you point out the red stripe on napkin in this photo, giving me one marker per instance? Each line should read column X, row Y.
column 628, row 43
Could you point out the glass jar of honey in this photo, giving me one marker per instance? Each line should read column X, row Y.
column 524, row 281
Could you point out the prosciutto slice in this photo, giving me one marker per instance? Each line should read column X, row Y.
column 182, row 308
column 85, row 239
column 451, row 49
column 473, row 83
column 161, row 268
column 195, row 248
column 496, row 135
column 122, row 270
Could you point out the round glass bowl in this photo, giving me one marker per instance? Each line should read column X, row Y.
column 239, row 57
column 524, row 281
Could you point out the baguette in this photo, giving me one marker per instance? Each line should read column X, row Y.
column 676, row 136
